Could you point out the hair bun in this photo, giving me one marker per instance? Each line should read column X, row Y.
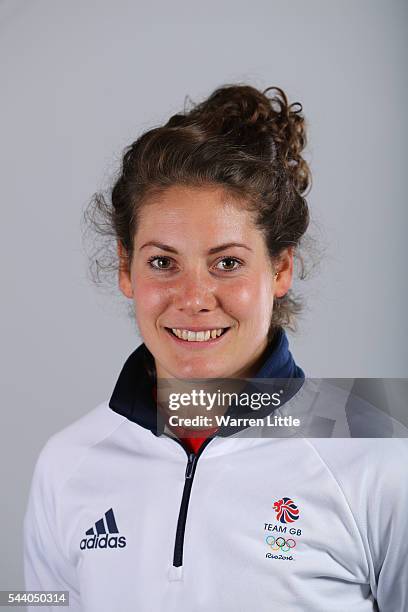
column 241, row 102
column 263, row 126
column 228, row 110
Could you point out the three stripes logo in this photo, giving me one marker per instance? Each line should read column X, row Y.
column 104, row 535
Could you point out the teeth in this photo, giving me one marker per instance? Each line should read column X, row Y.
column 201, row 336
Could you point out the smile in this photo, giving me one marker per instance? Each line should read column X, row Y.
column 205, row 335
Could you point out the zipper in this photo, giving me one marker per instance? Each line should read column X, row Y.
column 192, row 459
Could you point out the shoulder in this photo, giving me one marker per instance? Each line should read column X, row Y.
column 363, row 460
column 64, row 450
column 372, row 476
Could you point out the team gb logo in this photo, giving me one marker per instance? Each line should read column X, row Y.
column 286, row 510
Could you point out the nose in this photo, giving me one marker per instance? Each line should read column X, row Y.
column 195, row 292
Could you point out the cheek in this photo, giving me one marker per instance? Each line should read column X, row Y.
column 250, row 299
column 150, row 298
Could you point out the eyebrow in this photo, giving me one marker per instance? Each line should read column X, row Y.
column 217, row 249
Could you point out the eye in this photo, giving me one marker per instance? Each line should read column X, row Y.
column 229, row 264
column 159, row 262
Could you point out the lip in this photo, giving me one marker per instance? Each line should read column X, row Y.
column 197, row 345
column 196, row 328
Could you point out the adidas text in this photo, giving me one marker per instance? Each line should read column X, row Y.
column 104, row 541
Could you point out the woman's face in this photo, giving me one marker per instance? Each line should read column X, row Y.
column 200, row 265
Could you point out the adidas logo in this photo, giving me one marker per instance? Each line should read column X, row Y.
column 101, row 536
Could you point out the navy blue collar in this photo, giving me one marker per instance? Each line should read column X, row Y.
column 133, row 397
column 278, row 361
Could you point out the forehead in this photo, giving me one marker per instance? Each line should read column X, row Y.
column 203, row 213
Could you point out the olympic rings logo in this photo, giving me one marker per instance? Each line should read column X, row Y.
column 280, row 543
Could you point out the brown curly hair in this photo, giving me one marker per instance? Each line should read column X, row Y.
column 243, row 139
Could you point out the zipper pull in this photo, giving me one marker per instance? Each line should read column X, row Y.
column 192, row 457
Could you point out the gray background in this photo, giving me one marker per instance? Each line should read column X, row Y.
column 80, row 80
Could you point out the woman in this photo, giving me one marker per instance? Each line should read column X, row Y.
column 129, row 511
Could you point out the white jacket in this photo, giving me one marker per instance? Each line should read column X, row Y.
column 250, row 523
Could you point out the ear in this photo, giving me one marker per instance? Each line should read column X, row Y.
column 124, row 274
column 284, row 269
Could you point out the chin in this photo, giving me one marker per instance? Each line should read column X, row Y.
column 199, row 371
